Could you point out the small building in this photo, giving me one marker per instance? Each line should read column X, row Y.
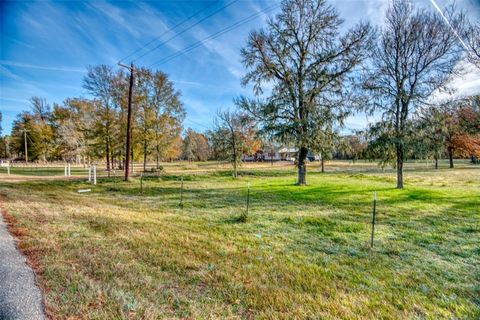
column 257, row 156
column 288, row 154
column 271, row 155
column 280, row 154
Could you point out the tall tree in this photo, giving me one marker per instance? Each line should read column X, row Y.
column 435, row 127
column 416, row 55
column 41, row 113
column 306, row 61
column 145, row 112
column 98, row 82
column 169, row 114
column 24, row 130
column 74, row 135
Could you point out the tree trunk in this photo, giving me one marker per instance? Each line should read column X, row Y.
column 107, row 152
column 302, row 167
column 436, row 162
column 450, row 157
column 235, row 172
column 399, row 166
column 144, row 155
column 323, row 164
column 112, row 160
column 234, row 152
column 158, row 156
column 131, row 162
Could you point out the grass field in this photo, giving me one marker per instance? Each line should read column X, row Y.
column 302, row 253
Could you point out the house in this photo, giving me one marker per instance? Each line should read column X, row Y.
column 257, row 156
column 280, row 154
column 288, row 154
column 271, row 155
column 262, row 155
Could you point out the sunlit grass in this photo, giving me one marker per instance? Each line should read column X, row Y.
column 303, row 252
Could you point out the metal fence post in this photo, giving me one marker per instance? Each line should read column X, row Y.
column 373, row 217
column 181, row 193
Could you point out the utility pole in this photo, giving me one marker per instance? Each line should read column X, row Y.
column 129, row 120
column 26, row 149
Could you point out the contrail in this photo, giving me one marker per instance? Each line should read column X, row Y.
column 31, row 66
column 448, row 22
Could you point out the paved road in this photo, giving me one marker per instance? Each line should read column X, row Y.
column 20, row 298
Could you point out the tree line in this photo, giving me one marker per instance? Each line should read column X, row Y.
column 81, row 130
column 307, row 77
column 319, row 75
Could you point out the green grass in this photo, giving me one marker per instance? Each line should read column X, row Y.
column 303, row 252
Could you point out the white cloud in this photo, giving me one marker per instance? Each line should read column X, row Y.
column 463, row 85
column 121, row 17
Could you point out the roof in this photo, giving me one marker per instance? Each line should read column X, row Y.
column 287, row 150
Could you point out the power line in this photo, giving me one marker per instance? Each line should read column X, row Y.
column 198, row 124
column 213, row 36
column 186, row 29
column 170, row 29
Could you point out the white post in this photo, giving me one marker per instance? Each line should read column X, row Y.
column 65, row 170
column 94, row 175
column 69, row 170
column 90, row 174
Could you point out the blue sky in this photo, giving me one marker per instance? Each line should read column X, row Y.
column 46, row 45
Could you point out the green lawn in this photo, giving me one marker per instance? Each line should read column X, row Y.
column 303, row 252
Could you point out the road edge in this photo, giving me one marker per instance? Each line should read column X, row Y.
column 31, row 255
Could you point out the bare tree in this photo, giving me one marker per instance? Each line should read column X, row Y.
column 302, row 55
column 235, row 134
column 41, row 115
column 416, row 55
column 40, row 108
column 472, row 35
